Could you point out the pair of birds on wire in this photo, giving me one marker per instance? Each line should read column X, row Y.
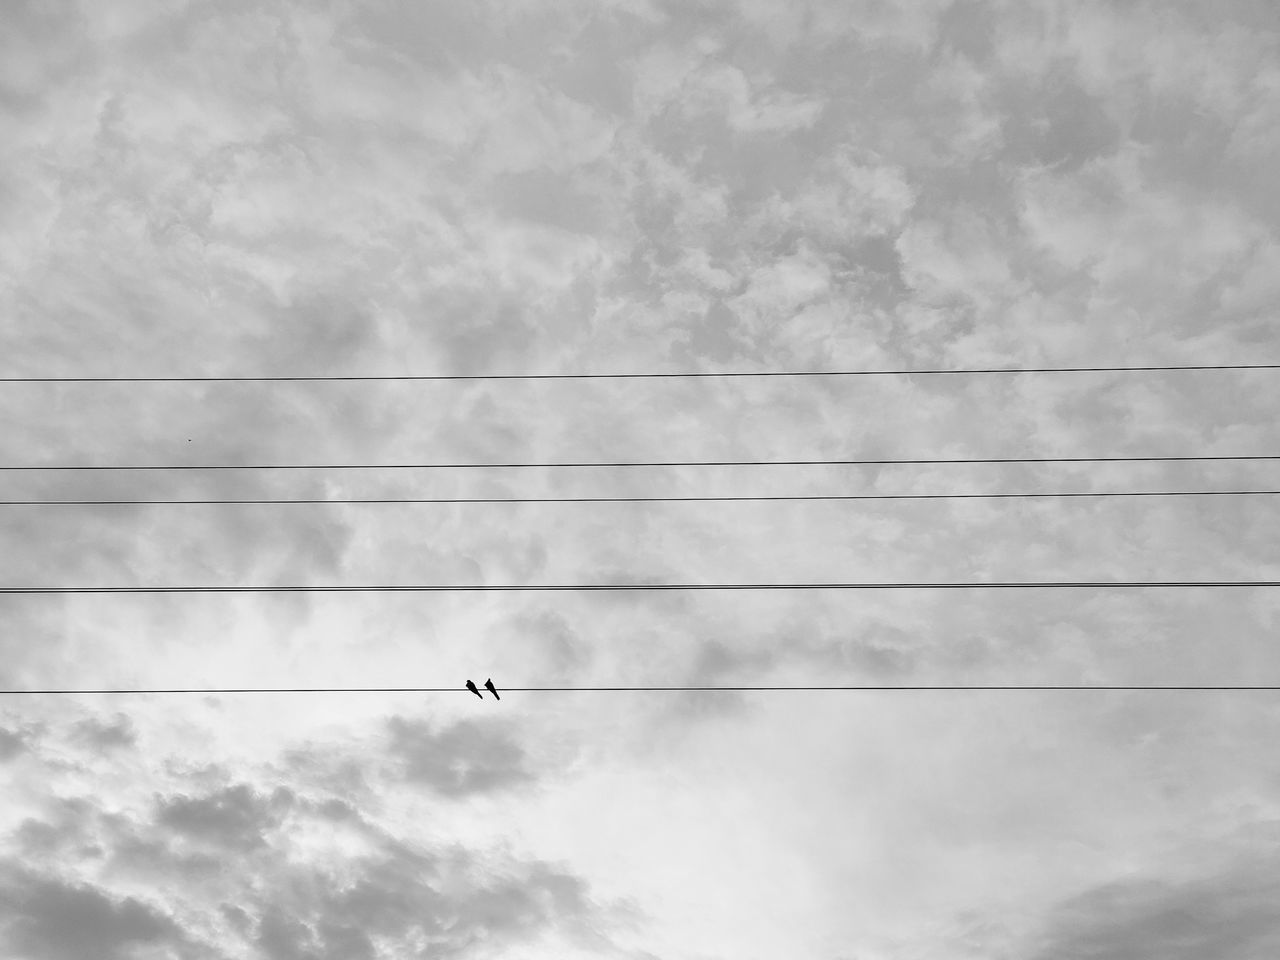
column 488, row 685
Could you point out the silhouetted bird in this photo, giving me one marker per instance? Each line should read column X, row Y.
column 488, row 685
column 474, row 689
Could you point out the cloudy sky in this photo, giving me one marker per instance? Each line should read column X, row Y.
column 395, row 187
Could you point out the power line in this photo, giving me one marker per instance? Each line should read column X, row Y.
column 631, row 463
column 726, row 499
column 860, row 688
column 966, row 371
column 671, row 587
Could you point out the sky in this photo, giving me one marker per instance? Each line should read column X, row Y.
column 397, row 188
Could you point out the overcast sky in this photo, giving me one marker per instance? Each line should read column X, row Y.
column 398, row 187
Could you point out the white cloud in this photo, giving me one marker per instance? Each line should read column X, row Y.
column 392, row 187
column 692, row 83
column 959, row 259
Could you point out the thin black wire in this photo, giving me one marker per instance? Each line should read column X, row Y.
column 603, row 587
column 675, row 689
column 735, row 499
column 652, row 376
column 630, row 463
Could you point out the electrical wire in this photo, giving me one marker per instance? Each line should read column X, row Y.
column 669, row 587
column 713, row 499
column 630, row 463
column 863, row 688
column 965, row 371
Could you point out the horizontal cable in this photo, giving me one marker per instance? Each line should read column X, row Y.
column 966, row 371
column 632, row 463
column 864, row 688
column 759, row 499
column 601, row 587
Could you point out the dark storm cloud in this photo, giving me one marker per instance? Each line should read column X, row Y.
column 52, row 919
column 65, row 825
column 716, row 336
column 237, row 817
column 1057, row 124
column 406, row 896
column 467, row 758
column 967, row 28
column 12, row 743
column 104, row 735
column 53, row 29
column 548, row 198
column 1230, row 915
column 286, row 901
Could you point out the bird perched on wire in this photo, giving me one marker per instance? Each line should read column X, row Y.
column 488, row 685
column 474, row 689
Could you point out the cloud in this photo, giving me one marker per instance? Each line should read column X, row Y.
column 726, row 92
column 50, row 919
column 12, row 743
column 1231, row 914
column 391, row 187
column 236, row 817
column 1057, row 125
column 104, row 735
column 292, row 873
column 424, row 904
column 468, row 757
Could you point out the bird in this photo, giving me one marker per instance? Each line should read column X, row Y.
column 474, row 689
column 488, row 685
